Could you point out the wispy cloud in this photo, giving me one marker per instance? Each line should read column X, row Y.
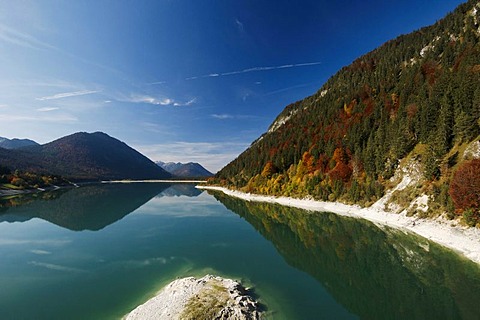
column 290, row 88
column 255, row 69
column 150, row 100
column 162, row 101
column 188, row 103
column 225, row 116
column 67, row 95
column 26, row 40
column 154, row 127
column 239, row 26
column 13, row 36
column 23, row 118
column 222, row 116
column 47, row 109
column 157, row 82
column 212, row 155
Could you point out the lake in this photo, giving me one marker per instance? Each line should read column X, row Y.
column 98, row 251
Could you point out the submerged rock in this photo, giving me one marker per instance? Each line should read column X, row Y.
column 209, row 297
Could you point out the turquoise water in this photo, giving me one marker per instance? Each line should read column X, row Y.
column 98, row 251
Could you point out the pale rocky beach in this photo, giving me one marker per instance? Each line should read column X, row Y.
column 463, row 240
column 210, row 297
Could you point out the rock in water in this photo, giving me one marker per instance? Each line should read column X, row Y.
column 209, row 297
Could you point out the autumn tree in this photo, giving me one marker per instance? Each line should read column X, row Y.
column 379, row 109
column 342, row 170
column 308, row 161
column 268, row 170
column 465, row 188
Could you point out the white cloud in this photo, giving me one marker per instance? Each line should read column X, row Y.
column 149, row 100
column 13, row 36
column 23, row 118
column 47, row 109
column 188, row 103
column 67, row 95
column 255, row 69
column 211, row 155
column 222, row 116
column 163, row 101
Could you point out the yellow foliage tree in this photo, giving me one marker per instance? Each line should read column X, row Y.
column 268, row 170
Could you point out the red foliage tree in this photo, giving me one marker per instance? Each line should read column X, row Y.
column 341, row 171
column 465, row 186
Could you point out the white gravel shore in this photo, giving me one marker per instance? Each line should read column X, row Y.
column 463, row 240
column 210, row 297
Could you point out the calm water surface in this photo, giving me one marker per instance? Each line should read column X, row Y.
column 98, row 251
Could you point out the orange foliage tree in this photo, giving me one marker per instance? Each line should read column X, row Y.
column 308, row 161
column 341, row 171
column 268, row 170
column 465, row 187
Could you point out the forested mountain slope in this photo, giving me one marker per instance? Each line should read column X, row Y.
column 83, row 156
column 415, row 98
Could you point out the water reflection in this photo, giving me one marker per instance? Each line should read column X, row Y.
column 91, row 207
column 181, row 189
column 375, row 273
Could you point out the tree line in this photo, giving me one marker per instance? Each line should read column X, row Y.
column 415, row 96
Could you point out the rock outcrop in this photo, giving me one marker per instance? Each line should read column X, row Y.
column 210, row 297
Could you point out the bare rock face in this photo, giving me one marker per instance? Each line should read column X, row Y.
column 209, row 297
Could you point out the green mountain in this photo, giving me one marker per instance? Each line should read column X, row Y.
column 408, row 109
column 15, row 143
column 83, row 156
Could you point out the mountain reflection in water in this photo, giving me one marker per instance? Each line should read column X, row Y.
column 90, row 207
column 376, row 273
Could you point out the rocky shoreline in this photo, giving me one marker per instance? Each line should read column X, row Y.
column 210, row 297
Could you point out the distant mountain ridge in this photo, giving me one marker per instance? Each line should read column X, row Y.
column 16, row 143
column 84, row 156
column 169, row 166
column 185, row 170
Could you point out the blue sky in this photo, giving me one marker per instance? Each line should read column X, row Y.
column 181, row 80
